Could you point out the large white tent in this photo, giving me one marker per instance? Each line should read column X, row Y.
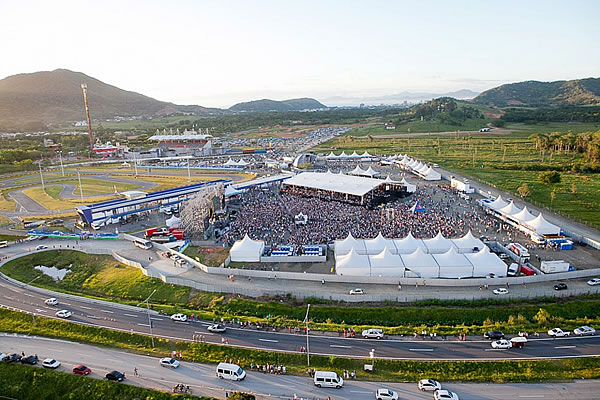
column 344, row 246
column 543, row 227
column 357, row 171
column 438, row 244
column 173, row 222
column 431, row 175
column 371, row 172
column 510, row 209
column 523, row 216
column 420, row 265
column 485, row 264
column 378, row 244
column 410, row 188
column 408, row 244
column 453, row 264
column 498, row 203
column 247, row 250
column 468, row 243
column 353, row 264
column 386, row 264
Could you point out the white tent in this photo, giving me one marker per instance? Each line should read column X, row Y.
column 439, row 244
column 371, row 172
column 230, row 163
column 543, row 227
column 468, row 243
column 354, row 155
column 386, row 264
column 173, row 222
column 357, row 171
column 453, row 264
column 231, row 191
column 410, row 188
column 353, row 264
column 497, row 204
column 408, row 244
column 343, row 155
column 331, row 155
column 344, row 246
column 420, row 264
column 486, row 263
column 341, row 172
column 366, row 154
column 247, row 250
column 242, row 162
column 510, row 209
column 378, row 244
column 432, row 175
column 389, row 180
column 523, row 216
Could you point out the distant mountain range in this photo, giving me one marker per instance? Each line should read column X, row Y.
column 398, row 98
column 534, row 93
column 55, row 96
column 266, row 105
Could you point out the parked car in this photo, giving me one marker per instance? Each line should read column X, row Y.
column 217, row 328
column 115, row 376
column 31, row 360
column 429, row 385
column 169, row 362
column 557, row 332
column 584, row 331
column 444, row 395
column 63, row 313
column 501, row 344
column 594, row 282
column 386, row 394
column 50, row 363
column 500, row 291
column 357, row 291
column 560, row 286
column 179, row 317
column 51, row 301
column 495, row 335
column 372, row 333
column 81, row 370
column 14, row 357
column 518, row 341
column 41, row 246
column 3, row 356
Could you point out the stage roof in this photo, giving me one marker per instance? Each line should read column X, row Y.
column 347, row 184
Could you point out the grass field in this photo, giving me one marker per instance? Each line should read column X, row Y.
column 505, row 162
column 212, row 256
column 50, row 203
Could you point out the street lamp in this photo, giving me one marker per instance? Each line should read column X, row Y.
column 148, row 311
column 307, row 345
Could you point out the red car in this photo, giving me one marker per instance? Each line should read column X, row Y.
column 81, row 370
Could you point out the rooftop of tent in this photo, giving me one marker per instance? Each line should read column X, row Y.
column 345, row 184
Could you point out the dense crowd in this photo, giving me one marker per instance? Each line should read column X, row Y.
column 269, row 216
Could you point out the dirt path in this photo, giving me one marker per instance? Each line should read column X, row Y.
column 493, row 131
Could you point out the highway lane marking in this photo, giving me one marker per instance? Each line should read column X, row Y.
column 420, row 349
column 67, row 304
column 87, row 308
column 157, row 319
column 340, row 346
column 143, row 325
column 40, row 310
column 496, row 349
column 131, row 315
column 106, row 311
column 564, row 347
column 269, row 340
column 531, row 395
column 359, row 391
column 92, row 316
column 27, row 294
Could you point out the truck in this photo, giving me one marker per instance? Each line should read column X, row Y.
column 552, row 267
column 520, row 251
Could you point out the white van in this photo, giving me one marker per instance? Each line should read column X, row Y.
column 513, row 270
column 232, row 372
column 328, row 379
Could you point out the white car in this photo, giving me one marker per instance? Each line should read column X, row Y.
column 50, row 363
column 445, row 395
column 500, row 291
column 41, row 247
column 357, row 291
column 386, row 394
column 51, row 301
column 584, row 331
column 372, row 333
column 429, row 385
column 64, row 314
column 557, row 332
column 594, row 282
column 217, row 328
column 501, row 344
column 179, row 317
column 169, row 362
column 3, row 356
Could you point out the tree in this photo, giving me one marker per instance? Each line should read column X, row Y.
column 498, row 123
column 524, row 190
column 574, row 188
column 542, row 317
column 549, row 177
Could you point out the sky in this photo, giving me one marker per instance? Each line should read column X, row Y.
column 218, row 53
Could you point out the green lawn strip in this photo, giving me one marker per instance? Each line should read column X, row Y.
column 385, row 370
column 29, row 383
column 11, row 238
column 101, row 277
column 54, row 191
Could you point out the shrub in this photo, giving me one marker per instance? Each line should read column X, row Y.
column 549, row 177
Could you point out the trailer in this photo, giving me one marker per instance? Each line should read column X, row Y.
column 552, row 267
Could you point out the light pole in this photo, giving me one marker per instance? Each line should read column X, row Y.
column 42, row 176
column 307, row 345
column 148, row 311
column 62, row 168
column 80, row 187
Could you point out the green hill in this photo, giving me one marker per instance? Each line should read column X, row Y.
column 534, row 93
column 55, row 96
column 267, row 105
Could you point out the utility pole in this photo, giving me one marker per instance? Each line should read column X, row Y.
column 62, row 168
column 87, row 116
column 148, row 311
column 80, row 186
column 42, row 176
column 135, row 164
column 307, row 344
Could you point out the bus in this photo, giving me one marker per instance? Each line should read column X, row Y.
column 4, row 243
column 142, row 243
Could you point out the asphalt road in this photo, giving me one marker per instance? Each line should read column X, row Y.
column 201, row 378
column 115, row 316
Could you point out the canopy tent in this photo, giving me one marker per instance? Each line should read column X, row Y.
column 242, row 162
column 468, row 243
column 331, row 155
column 408, row 244
column 230, row 163
column 410, row 188
column 341, row 172
column 353, row 264
column 366, row 154
column 438, row 244
column 389, row 180
column 231, row 191
column 378, row 244
column 173, row 222
column 420, row 264
column 453, row 264
column 510, row 209
column 346, row 184
column 354, row 155
column 247, row 250
column 344, row 246
column 497, row 204
column 357, row 171
column 386, row 264
column 343, row 155
column 371, row 172
column 486, row 263
column 523, row 216
column 543, row 227
column 432, row 175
